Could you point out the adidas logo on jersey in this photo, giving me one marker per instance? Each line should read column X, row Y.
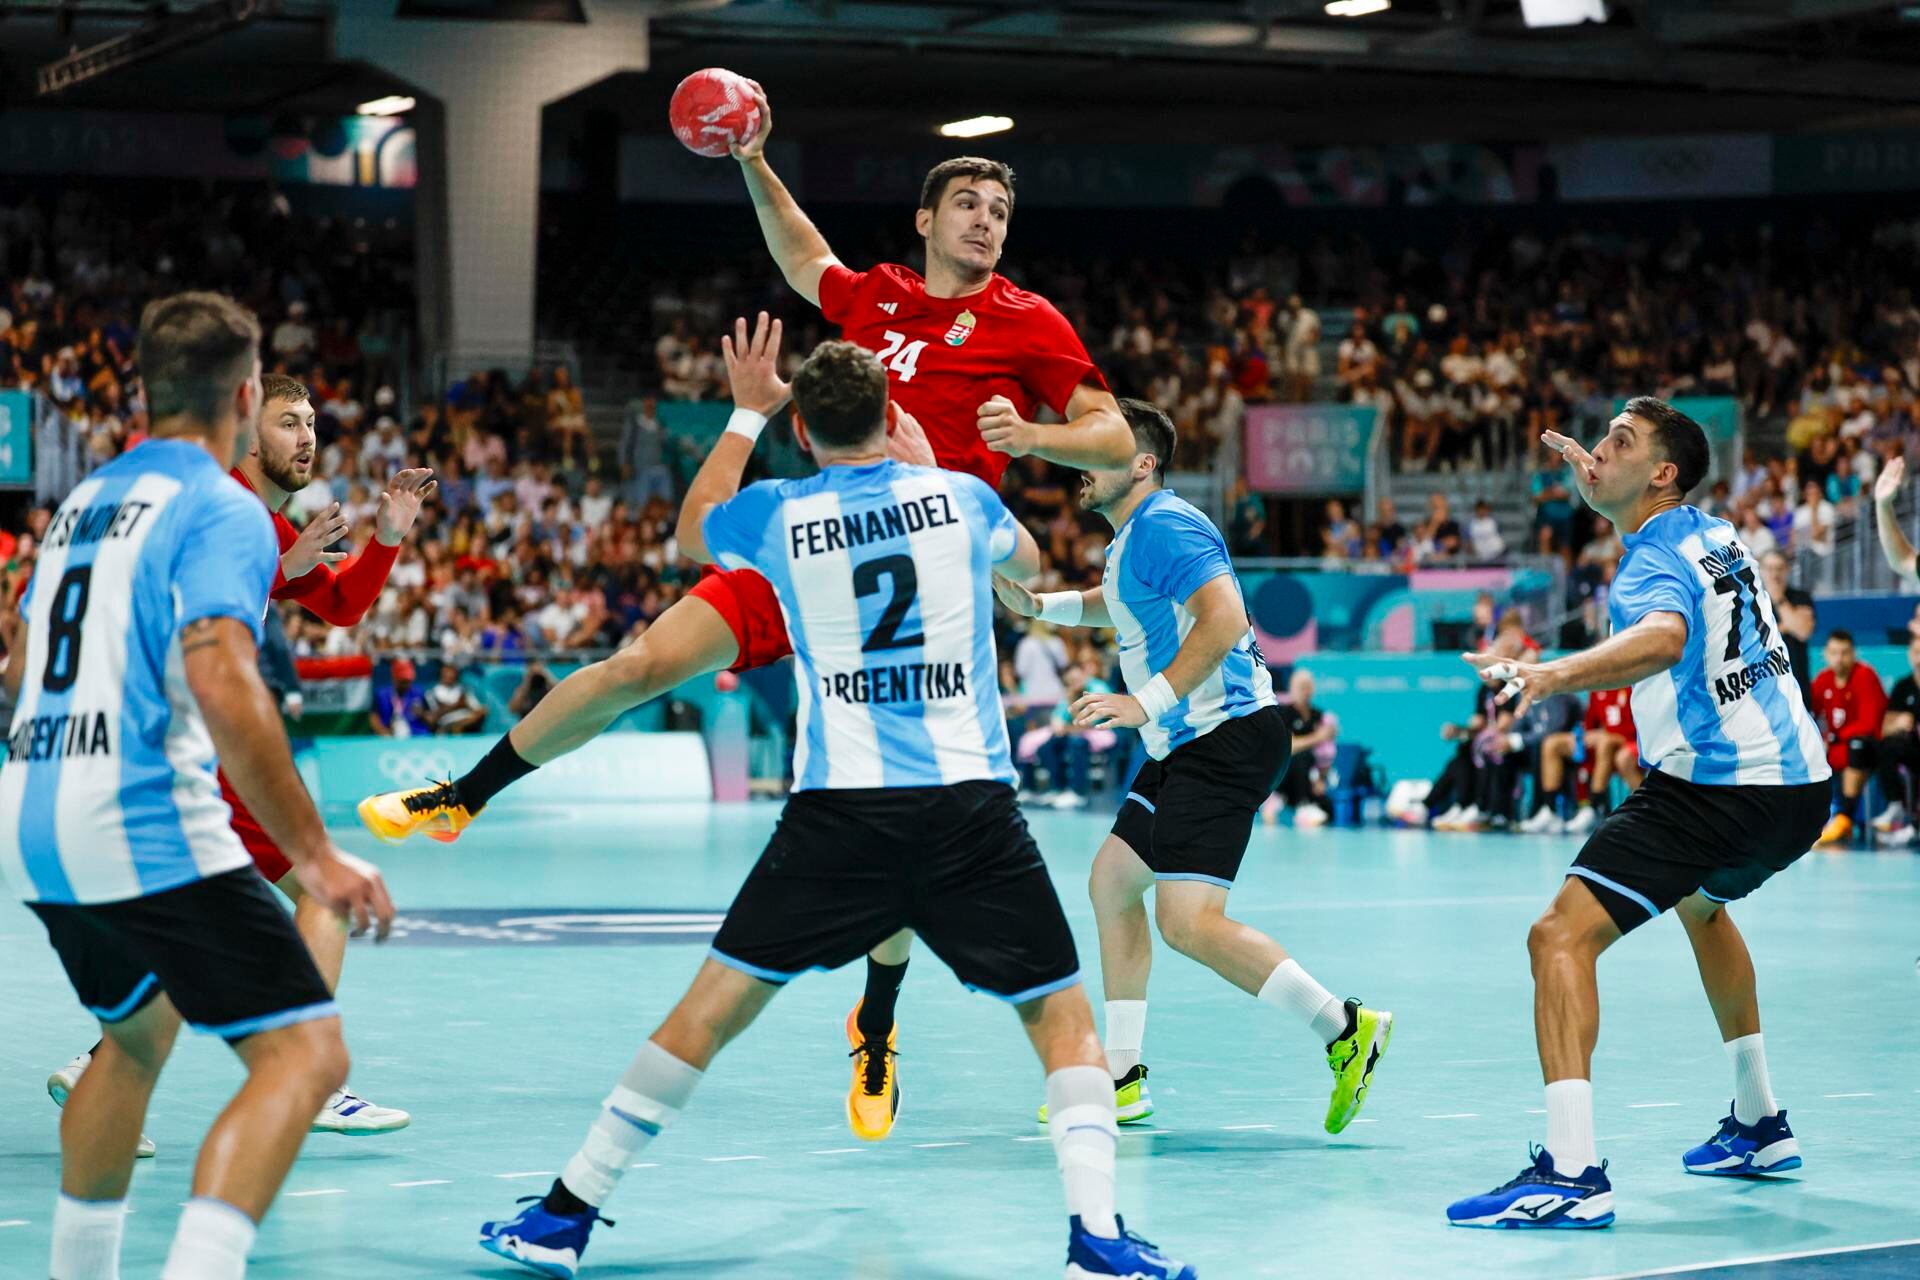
column 890, row 307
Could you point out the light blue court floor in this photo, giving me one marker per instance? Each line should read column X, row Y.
column 525, row 982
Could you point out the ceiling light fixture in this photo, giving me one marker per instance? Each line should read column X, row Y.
column 976, row 126
column 392, row 105
column 1356, row 8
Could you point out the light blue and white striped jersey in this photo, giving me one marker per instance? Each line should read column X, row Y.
column 108, row 789
column 884, row 573
column 1164, row 552
column 1729, row 712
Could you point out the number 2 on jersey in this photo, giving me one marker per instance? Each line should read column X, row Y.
column 906, row 583
column 1731, row 586
column 901, row 356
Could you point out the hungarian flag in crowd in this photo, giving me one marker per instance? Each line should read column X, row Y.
column 338, row 693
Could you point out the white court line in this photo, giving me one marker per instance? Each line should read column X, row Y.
column 1041, row 1138
column 652, row 1164
column 1649, row 1106
column 530, row 1173
column 424, row 1182
column 1756, row 1260
column 922, row 1146
column 1230, row 1128
column 1536, row 1111
column 323, row 1191
column 1364, row 1122
column 16, row 1222
column 1846, row 1095
column 1455, row 1115
column 731, row 1159
column 835, row 1151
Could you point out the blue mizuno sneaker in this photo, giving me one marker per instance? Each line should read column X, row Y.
column 1767, row 1146
column 1128, row 1257
column 549, row 1243
column 1540, row 1197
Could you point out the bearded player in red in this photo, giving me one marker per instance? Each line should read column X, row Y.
column 279, row 465
column 970, row 359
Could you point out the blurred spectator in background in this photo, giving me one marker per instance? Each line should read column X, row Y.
column 1246, row 520
column 1040, row 663
column 1303, row 787
column 533, row 686
column 1483, row 533
column 1793, row 610
column 1849, row 704
column 399, row 709
column 450, row 706
column 1900, row 754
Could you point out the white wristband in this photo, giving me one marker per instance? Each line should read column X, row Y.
column 1062, row 608
column 1157, row 698
column 745, row 422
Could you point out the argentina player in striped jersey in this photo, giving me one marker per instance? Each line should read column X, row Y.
column 1736, row 791
column 902, row 813
column 136, row 667
column 1200, row 695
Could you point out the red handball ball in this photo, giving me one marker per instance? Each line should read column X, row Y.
column 712, row 110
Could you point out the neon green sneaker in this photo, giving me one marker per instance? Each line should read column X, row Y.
column 1131, row 1101
column 1352, row 1058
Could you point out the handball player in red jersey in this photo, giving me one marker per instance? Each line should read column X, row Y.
column 970, row 359
column 279, row 465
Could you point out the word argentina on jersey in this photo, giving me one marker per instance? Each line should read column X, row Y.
column 1731, row 569
column 59, row 737
column 904, row 683
column 852, row 529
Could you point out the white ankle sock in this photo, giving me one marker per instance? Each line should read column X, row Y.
column 647, row 1099
column 1126, row 1028
column 1292, row 988
column 1752, row 1091
column 1570, row 1126
column 86, row 1238
column 1085, row 1139
column 212, row 1242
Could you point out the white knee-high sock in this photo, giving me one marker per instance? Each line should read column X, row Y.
column 212, row 1242
column 1126, row 1029
column 649, row 1096
column 1292, row 988
column 86, row 1238
column 1085, row 1139
column 1570, row 1126
column 1752, row 1090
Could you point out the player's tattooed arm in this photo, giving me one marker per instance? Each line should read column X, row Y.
column 201, row 633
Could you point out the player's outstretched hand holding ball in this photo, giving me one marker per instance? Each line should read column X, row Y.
column 716, row 112
column 351, row 887
column 1886, row 486
column 753, row 366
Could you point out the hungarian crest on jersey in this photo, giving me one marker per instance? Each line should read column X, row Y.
column 963, row 325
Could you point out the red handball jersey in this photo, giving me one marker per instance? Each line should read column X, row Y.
column 1852, row 710
column 1611, row 711
column 946, row 357
column 341, row 598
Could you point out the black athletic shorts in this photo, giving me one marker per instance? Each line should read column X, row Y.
column 1671, row 838
column 847, row 869
column 223, row 950
column 1189, row 816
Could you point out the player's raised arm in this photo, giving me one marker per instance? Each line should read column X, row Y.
column 1893, row 543
column 218, row 657
column 753, row 371
column 1220, row 620
column 795, row 243
column 1061, row 608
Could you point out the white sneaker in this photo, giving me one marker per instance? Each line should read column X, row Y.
column 1543, row 823
column 1309, row 816
column 1894, row 815
column 1898, row 839
column 352, row 1115
column 1466, row 819
column 63, row 1082
column 1069, row 800
column 1584, row 819
column 1413, row 815
column 1446, row 821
